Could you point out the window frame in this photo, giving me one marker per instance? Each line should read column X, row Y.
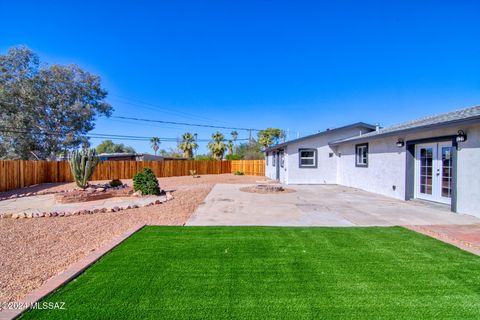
column 282, row 159
column 357, row 164
column 274, row 159
column 315, row 158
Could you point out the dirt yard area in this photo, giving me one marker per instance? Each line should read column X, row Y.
column 33, row 250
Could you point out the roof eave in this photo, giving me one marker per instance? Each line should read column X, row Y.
column 353, row 125
column 409, row 130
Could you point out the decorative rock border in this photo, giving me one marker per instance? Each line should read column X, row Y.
column 29, row 215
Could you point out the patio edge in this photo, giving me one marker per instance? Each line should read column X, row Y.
column 459, row 243
column 70, row 273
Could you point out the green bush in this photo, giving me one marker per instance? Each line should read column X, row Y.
column 239, row 173
column 204, row 157
column 146, row 182
column 233, row 157
column 115, row 183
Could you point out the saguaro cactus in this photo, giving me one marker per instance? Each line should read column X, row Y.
column 83, row 164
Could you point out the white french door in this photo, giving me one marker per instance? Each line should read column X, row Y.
column 433, row 172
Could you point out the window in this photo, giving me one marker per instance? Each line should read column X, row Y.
column 307, row 158
column 361, row 155
column 274, row 158
column 282, row 159
column 266, row 158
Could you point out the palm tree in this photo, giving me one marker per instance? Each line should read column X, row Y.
column 217, row 146
column 155, row 141
column 230, row 147
column 234, row 138
column 188, row 144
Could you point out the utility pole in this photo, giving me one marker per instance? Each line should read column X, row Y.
column 250, row 141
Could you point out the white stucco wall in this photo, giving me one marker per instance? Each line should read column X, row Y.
column 468, row 172
column 386, row 171
column 326, row 171
column 283, row 170
column 269, row 168
column 387, row 167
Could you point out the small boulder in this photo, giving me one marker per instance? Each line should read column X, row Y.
column 137, row 193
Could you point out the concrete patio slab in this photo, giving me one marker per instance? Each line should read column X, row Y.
column 318, row 205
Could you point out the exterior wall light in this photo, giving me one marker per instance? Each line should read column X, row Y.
column 461, row 136
column 400, row 143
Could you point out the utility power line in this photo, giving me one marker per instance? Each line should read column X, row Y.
column 153, row 107
column 185, row 123
column 102, row 135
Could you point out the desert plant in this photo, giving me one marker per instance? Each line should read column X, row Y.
column 234, row 138
column 83, row 164
column 239, row 173
column 115, row 183
column 217, row 146
column 188, row 144
column 155, row 141
column 146, row 182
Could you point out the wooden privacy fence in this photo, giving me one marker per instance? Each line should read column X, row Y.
column 23, row 173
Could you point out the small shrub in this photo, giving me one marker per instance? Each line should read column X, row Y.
column 146, row 182
column 233, row 157
column 115, row 183
column 239, row 173
column 193, row 173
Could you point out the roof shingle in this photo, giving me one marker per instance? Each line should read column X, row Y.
column 430, row 121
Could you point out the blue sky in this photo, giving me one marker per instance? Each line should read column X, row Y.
column 298, row 65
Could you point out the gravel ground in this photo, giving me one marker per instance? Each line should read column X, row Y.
column 33, row 250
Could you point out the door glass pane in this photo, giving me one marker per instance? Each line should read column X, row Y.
column 446, row 172
column 426, row 170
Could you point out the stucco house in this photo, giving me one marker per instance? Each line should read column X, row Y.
column 435, row 158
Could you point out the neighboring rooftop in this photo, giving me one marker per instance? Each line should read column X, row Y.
column 430, row 122
column 328, row 131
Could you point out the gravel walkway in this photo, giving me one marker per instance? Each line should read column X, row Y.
column 33, row 250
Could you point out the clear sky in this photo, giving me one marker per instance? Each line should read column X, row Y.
column 302, row 66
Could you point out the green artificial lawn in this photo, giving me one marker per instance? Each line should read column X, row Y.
column 289, row 273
